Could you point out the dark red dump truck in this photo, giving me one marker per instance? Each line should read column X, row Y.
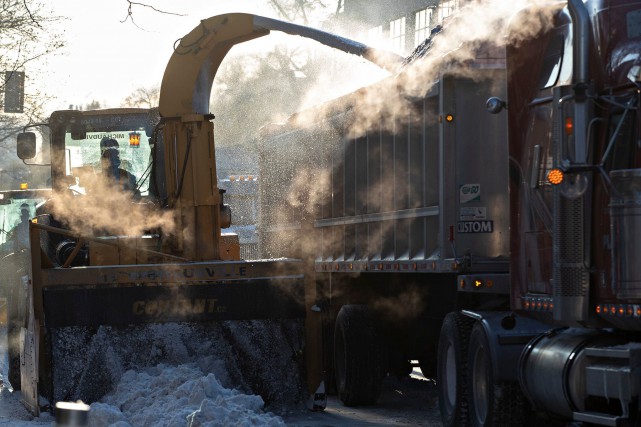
column 485, row 228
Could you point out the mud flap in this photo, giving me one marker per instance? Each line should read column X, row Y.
column 29, row 354
column 317, row 400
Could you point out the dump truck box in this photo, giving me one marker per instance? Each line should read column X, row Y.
column 400, row 197
column 423, row 191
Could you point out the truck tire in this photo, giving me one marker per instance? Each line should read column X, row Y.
column 359, row 356
column 492, row 403
column 452, row 369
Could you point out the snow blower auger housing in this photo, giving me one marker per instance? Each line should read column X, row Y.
column 107, row 263
column 132, row 240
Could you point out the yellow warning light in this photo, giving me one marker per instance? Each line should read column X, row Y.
column 555, row 176
column 24, row 186
column 569, row 125
column 478, row 284
column 34, row 220
column 134, row 139
column 449, row 118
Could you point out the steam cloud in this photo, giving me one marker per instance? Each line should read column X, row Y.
column 107, row 209
column 384, row 106
column 481, row 24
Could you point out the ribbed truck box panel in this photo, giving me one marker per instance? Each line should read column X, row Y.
column 430, row 184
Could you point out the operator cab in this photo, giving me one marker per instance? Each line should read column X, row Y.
column 98, row 155
column 84, row 145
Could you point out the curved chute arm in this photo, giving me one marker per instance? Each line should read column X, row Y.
column 187, row 82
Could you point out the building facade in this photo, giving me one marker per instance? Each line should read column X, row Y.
column 399, row 26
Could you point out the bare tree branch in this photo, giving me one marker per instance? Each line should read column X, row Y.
column 30, row 15
column 130, row 13
column 280, row 9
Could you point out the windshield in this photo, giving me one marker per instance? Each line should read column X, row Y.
column 132, row 148
column 117, row 144
column 16, row 208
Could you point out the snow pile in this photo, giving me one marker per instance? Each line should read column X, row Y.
column 233, row 373
column 178, row 396
column 89, row 364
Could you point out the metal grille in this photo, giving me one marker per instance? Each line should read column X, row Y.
column 249, row 251
column 572, row 273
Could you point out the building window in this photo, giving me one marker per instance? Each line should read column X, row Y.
column 445, row 9
column 397, row 34
column 375, row 34
column 422, row 26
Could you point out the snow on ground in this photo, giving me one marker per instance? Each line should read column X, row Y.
column 178, row 396
column 160, row 396
column 156, row 396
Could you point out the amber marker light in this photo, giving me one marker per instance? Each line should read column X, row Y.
column 134, row 139
column 449, row 118
column 24, row 186
column 569, row 125
column 478, row 284
column 555, row 176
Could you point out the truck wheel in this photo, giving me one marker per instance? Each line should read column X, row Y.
column 452, row 369
column 359, row 356
column 492, row 403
